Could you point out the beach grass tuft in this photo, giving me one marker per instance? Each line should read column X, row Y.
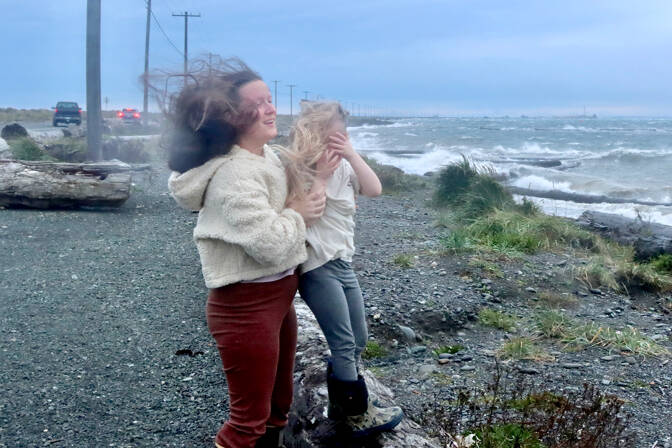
column 373, row 350
column 524, row 348
column 26, row 149
column 403, row 260
column 497, row 319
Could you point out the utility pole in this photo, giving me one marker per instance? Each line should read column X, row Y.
column 291, row 87
column 209, row 65
column 306, row 92
column 146, row 93
column 186, row 16
column 94, row 117
column 275, row 93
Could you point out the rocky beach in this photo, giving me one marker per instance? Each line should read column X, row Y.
column 104, row 340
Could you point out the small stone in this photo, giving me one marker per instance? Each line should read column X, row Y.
column 528, row 370
column 486, row 281
column 408, row 333
column 630, row 360
column 658, row 337
column 467, row 368
column 606, row 382
column 595, row 291
column 531, row 289
column 573, row 365
column 581, row 293
column 561, row 263
column 446, row 355
column 426, row 370
column 609, row 357
column 418, row 349
column 444, row 361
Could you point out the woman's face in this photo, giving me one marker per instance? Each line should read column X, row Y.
column 256, row 95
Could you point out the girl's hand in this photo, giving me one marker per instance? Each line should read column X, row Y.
column 327, row 164
column 311, row 207
column 340, row 143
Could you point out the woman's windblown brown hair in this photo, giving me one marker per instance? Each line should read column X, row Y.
column 206, row 114
column 308, row 141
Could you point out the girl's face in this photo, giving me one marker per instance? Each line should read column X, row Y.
column 257, row 95
column 336, row 127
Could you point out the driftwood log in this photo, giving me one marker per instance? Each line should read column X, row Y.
column 579, row 197
column 648, row 239
column 64, row 185
column 308, row 425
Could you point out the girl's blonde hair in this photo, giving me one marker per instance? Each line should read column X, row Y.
column 308, row 141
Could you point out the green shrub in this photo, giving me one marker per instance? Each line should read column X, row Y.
column 453, row 182
column 403, row 260
column 452, row 349
column 373, row 350
column 484, row 196
column 511, row 231
column 497, row 319
column 553, row 324
column 26, row 149
column 663, row 264
column 523, row 348
column 509, row 435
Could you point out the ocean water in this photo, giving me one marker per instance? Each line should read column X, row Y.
column 619, row 158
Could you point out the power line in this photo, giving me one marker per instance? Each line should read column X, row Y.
column 165, row 35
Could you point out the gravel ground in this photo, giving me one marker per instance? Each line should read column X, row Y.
column 104, row 341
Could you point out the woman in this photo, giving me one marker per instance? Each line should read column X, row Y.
column 249, row 239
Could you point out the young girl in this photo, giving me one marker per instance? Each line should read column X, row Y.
column 321, row 157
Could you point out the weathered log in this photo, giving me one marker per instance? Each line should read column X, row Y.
column 308, row 427
column 649, row 239
column 579, row 197
column 63, row 185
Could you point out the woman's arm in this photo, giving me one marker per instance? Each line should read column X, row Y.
column 243, row 215
column 369, row 184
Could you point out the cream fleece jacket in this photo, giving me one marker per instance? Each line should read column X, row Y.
column 243, row 230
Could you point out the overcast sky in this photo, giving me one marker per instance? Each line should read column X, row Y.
column 452, row 57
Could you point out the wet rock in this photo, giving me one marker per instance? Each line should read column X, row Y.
column 13, row 131
column 407, row 332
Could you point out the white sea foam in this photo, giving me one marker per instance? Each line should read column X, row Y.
column 418, row 163
column 410, row 134
column 535, row 182
column 659, row 214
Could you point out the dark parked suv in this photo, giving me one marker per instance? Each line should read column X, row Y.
column 67, row 112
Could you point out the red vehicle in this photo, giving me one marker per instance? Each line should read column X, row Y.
column 129, row 116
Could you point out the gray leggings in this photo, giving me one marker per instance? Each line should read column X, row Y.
column 333, row 295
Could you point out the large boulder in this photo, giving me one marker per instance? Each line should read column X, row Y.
column 13, row 131
column 308, row 425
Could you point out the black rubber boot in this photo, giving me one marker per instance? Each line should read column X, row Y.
column 349, row 402
column 346, row 397
column 272, row 438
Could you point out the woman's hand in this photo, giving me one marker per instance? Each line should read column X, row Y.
column 339, row 143
column 311, row 207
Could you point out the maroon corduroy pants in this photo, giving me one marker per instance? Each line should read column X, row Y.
column 254, row 325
